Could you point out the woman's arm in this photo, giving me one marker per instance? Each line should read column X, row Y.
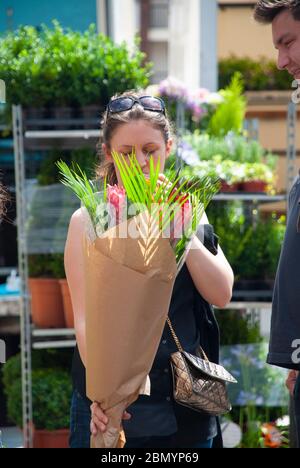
column 74, row 268
column 212, row 275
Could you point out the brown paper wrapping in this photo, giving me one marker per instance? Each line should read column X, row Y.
column 128, row 288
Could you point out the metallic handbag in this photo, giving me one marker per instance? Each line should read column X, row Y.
column 198, row 383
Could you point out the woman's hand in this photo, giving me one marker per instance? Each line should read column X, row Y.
column 99, row 420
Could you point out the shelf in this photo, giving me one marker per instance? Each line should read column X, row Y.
column 9, row 306
column 57, row 134
column 252, row 296
column 54, row 344
column 252, row 197
column 7, row 270
column 67, row 338
column 248, row 305
column 48, row 332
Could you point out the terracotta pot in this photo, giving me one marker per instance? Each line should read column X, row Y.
column 68, row 308
column 51, row 439
column 46, row 303
column 254, row 186
column 228, row 188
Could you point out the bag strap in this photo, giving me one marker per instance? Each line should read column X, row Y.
column 178, row 344
column 176, row 339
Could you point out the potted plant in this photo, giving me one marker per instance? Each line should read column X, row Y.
column 257, row 178
column 229, row 173
column 51, row 393
column 252, row 250
column 57, row 266
column 66, row 71
column 258, row 261
column 68, row 308
column 259, row 75
column 51, row 300
column 200, row 171
column 46, row 299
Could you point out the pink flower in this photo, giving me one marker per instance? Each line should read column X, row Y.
column 116, row 196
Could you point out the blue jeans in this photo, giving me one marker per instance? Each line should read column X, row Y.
column 171, row 441
column 297, row 408
column 80, row 431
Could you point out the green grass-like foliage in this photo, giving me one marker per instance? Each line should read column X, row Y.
column 163, row 200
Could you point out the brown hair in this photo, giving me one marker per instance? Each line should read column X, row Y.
column 111, row 122
column 3, row 199
column 266, row 10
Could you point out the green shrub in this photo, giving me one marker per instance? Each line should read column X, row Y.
column 237, row 328
column 230, row 171
column 252, row 250
column 57, row 266
column 233, row 147
column 58, row 359
column 260, row 256
column 46, row 266
column 51, row 396
column 257, row 75
column 49, row 174
column 39, row 266
column 229, row 115
column 51, row 388
column 57, row 67
column 230, row 225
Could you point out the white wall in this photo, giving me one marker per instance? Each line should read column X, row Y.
column 125, row 22
column 158, row 52
column 209, row 44
column 184, row 41
column 189, row 45
column 101, row 16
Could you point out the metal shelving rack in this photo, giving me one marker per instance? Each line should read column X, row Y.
column 32, row 338
column 41, row 339
column 253, row 197
column 46, row 339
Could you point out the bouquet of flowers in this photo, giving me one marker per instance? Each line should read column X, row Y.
column 136, row 240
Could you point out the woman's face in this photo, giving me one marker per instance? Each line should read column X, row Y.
column 140, row 137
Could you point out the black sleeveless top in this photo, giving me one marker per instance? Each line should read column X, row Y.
column 194, row 322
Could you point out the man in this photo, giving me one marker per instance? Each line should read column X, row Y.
column 284, row 16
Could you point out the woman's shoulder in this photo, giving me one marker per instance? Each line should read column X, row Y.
column 76, row 224
column 77, row 217
column 75, row 232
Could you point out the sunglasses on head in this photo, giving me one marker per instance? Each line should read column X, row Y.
column 150, row 103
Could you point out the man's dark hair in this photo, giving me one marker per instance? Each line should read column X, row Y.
column 266, row 10
column 3, row 199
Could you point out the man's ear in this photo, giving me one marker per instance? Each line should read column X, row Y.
column 107, row 153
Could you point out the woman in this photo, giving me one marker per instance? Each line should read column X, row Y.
column 134, row 122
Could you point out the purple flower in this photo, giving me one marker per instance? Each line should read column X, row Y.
column 188, row 154
column 173, row 88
